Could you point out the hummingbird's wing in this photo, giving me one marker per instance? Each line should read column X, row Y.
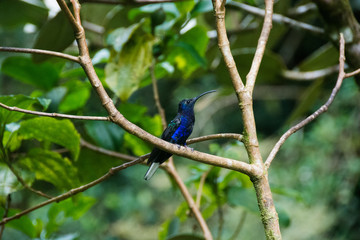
column 171, row 129
column 158, row 155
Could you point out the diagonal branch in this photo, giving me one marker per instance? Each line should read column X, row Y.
column 277, row 18
column 40, row 51
column 74, row 191
column 55, row 115
column 318, row 112
column 260, row 49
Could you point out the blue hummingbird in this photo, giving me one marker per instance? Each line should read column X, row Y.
column 177, row 132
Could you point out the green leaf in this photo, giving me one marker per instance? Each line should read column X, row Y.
column 188, row 236
column 137, row 146
column 51, row 167
column 119, row 37
column 74, row 207
column 19, row 101
column 124, row 74
column 238, row 196
column 325, row 56
column 185, row 6
column 8, row 182
column 23, row 224
column 76, row 97
column 188, row 52
column 14, row 13
column 44, row 75
column 61, row 132
column 105, row 134
column 56, row 35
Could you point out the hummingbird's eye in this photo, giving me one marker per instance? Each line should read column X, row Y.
column 188, row 101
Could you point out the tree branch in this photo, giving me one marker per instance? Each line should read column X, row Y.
column 277, row 18
column 190, row 201
column 318, row 112
column 351, row 74
column 42, row 52
column 74, row 191
column 55, row 115
column 310, row 75
column 260, row 49
column 6, row 212
column 156, row 95
column 224, row 44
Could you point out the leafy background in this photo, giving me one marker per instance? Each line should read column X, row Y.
column 315, row 178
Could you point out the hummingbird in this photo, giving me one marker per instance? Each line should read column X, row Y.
column 177, row 132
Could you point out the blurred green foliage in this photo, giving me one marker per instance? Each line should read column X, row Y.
column 314, row 179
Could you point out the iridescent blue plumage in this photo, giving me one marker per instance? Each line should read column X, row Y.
column 177, row 132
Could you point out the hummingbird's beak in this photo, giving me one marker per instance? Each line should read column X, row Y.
column 196, row 98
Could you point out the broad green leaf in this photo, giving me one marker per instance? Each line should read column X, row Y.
column 188, row 236
column 61, row 132
column 51, row 167
column 124, row 74
column 188, row 53
column 238, row 196
column 56, row 35
column 76, row 97
column 10, row 139
column 19, row 101
column 137, row 146
column 202, row 7
column 119, row 37
column 185, row 6
column 23, row 224
column 8, row 182
column 325, row 56
column 168, row 228
column 74, row 207
column 15, row 12
column 106, row 134
column 23, row 69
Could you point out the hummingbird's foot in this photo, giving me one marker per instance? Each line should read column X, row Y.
column 178, row 146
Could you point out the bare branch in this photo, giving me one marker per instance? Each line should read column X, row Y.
column 260, row 49
column 6, row 212
column 156, row 95
column 351, row 74
column 25, row 185
column 235, row 136
column 201, row 186
column 277, row 18
column 40, row 51
column 310, row 75
column 74, row 191
column 110, row 153
column 318, row 112
column 224, row 44
column 55, row 115
column 192, row 205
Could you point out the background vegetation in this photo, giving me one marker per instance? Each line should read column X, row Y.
column 315, row 179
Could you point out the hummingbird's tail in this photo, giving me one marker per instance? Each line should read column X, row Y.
column 152, row 169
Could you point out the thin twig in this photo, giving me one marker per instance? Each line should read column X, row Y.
column 260, row 49
column 55, row 115
column 42, row 52
column 351, row 74
column 25, row 185
column 201, row 186
column 156, row 95
column 6, row 212
column 190, row 201
column 107, row 152
column 74, row 191
column 239, row 226
column 318, row 112
column 277, row 18
column 310, row 75
column 235, row 136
